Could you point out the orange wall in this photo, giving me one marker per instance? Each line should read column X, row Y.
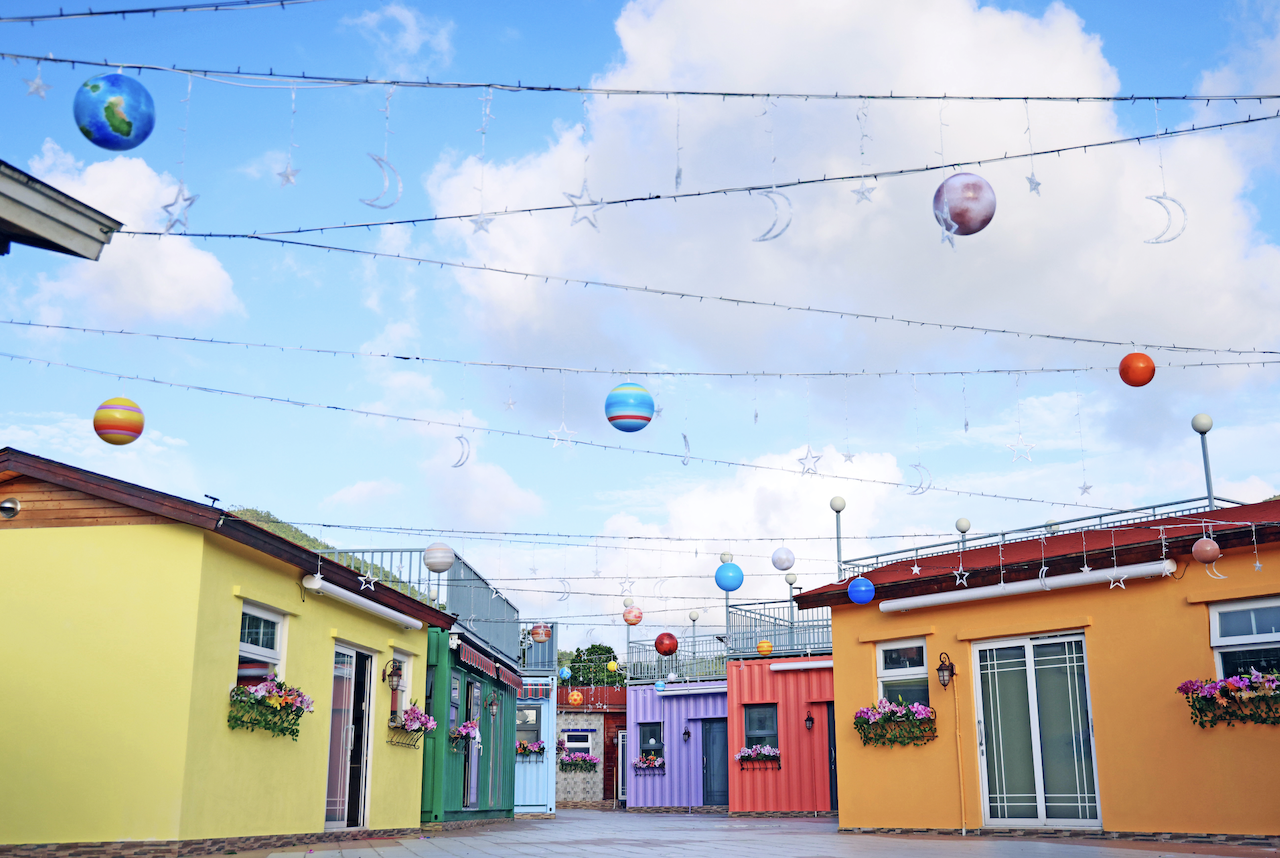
column 803, row 783
column 1156, row 770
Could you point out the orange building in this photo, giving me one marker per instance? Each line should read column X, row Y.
column 1068, row 646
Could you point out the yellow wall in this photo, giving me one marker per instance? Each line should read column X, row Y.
column 1156, row 770
column 123, row 646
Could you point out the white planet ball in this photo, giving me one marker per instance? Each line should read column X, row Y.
column 783, row 559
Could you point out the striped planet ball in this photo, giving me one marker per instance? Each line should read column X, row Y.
column 118, row 421
column 764, row 647
column 629, row 407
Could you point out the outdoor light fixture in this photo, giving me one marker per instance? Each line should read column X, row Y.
column 687, row 734
column 454, row 640
column 808, row 721
column 9, row 507
column 946, row 670
column 493, row 704
column 393, row 675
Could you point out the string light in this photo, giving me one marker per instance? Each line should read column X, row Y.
column 685, row 457
column 220, row 6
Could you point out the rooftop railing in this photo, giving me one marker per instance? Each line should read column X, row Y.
column 788, row 632
column 701, row 657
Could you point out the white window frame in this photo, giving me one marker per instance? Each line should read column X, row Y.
column 406, row 681
column 1235, row 643
column 275, row 656
column 882, row 674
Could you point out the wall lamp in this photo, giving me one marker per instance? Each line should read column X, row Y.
column 808, row 720
column 492, row 703
column 10, row 507
column 946, row 670
column 687, row 734
column 393, row 675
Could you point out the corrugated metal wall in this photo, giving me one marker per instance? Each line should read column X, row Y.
column 803, row 783
column 681, row 786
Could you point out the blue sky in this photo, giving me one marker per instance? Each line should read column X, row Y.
column 1070, row 261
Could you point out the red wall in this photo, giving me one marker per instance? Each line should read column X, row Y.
column 804, row 782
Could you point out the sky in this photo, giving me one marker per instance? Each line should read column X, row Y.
column 599, row 523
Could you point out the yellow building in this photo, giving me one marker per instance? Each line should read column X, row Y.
column 1062, row 709
column 130, row 615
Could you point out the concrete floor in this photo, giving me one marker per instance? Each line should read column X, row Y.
column 595, row 834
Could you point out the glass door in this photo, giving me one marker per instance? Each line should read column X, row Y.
column 1035, row 733
column 621, row 791
column 340, row 738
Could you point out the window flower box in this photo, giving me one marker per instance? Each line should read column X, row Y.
column 467, row 731
column 579, row 761
column 530, row 750
column 1252, row 699
column 270, row 705
column 759, row 754
column 887, row 724
column 649, row 765
column 408, row 729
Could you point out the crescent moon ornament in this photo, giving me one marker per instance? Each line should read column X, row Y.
column 778, row 214
column 685, row 460
column 920, row 487
column 565, row 594
column 1164, row 238
column 464, row 454
column 657, row 589
column 384, row 165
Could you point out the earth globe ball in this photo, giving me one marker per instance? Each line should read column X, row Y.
column 565, row 673
column 861, row 591
column 114, row 111
column 729, row 577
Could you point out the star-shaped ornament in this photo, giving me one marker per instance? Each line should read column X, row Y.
column 1084, row 488
column 1018, row 445
column 286, row 175
column 37, row 86
column 565, row 431
column 176, row 211
column 510, row 403
column 366, row 582
column 1086, row 568
column 596, row 573
column 1116, row 577
column 626, row 585
column 848, row 457
column 809, row 464
column 1257, row 566
column 863, row 193
column 584, row 208
column 949, row 238
column 480, row 223
column 962, row 577
column 915, row 568
column 1033, row 183
column 657, row 411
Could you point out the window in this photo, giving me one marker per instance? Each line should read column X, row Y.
column 903, row 671
column 528, row 726
column 651, row 739
column 400, row 699
column 762, row 724
column 455, row 696
column 261, row 644
column 1245, row 635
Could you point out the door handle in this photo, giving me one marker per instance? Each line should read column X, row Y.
column 982, row 743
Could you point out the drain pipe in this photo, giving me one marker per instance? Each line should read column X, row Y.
column 960, row 764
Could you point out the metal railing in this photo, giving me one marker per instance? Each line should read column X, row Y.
column 538, row 657
column 701, row 657
column 779, row 623
column 461, row 591
column 1118, row 518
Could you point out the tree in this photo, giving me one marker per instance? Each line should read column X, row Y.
column 590, row 666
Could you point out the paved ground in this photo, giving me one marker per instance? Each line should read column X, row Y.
column 594, row 834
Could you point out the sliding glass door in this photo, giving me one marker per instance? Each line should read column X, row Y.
column 1035, row 733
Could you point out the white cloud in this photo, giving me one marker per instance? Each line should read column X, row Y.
column 136, row 277
column 363, row 492
column 400, row 32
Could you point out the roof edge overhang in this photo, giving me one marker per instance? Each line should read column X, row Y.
column 37, row 214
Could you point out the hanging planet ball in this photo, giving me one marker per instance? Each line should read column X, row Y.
column 118, row 421
column 764, row 647
column 659, row 686
column 671, row 677
column 1206, row 550
column 783, row 559
column 1137, row 369
column 632, row 616
column 729, row 577
column 541, row 633
column 666, row 644
column 861, row 591
column 575, row 698
column 114, row 111
column 967, row 201
column 438, row 557
column 612, row 667
column 565, row 673
column 629, row 407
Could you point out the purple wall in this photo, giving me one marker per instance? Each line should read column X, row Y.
column 681, row 786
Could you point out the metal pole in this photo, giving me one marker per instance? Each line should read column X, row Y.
column 839, row 555
column 1208, row 475
column 791, row 626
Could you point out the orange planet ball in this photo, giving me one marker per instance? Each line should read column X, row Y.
column 632, row 616
column 1206, row 550
column 764, row 647
column 541, row 633
column 575, row 698
column 1137, row 369
column 118, row 421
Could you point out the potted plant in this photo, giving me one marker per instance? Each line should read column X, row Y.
column 579, row 761
column 650, row 764
column 409, row 728
column 530, row 749
column 270, row 705
column 766, row 754
column 1252, row 699
column 888, row 724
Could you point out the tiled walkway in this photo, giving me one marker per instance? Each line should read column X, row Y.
column 594, row 834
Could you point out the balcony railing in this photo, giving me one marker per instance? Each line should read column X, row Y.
column 538, row 657
column 788, row 631
column 701, row 657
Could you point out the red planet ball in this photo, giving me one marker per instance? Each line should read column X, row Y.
column 1206, row 550
column 666, row 644
column 966, row 201
column 1137, row 369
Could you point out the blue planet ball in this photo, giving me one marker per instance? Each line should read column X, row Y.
column 629, row 407
column 565, row 673
column 659, row 686
column 729, row 577
column 861, row 591
column 114, row 111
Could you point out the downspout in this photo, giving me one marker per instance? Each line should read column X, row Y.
column 960, row 764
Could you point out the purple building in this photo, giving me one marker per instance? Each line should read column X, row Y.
column 685, row 724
